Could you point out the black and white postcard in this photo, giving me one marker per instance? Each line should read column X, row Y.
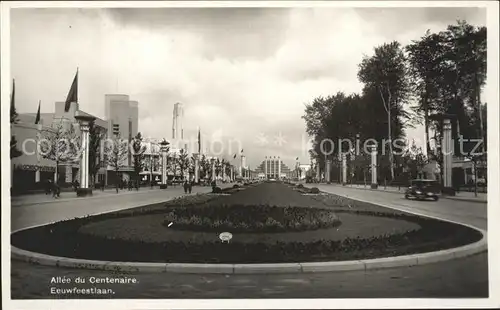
column 250, row 155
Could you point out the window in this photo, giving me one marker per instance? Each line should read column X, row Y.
column 116, row 129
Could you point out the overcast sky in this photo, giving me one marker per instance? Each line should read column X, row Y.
column 241, row 73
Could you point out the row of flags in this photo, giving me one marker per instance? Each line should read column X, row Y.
column 199, row 144
column 13, row 102
column 279, row 157
column 72, row 97
column 241, row 152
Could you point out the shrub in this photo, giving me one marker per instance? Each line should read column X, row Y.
column 216, row 190
column 314, row 190
column 244, row 218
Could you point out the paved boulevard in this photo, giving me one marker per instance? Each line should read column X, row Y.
column 457, row 278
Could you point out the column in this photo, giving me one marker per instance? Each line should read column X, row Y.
column 328, row 170
column 447, row 150
column 196, row 168
column 317, row 172
column 374, row 166
column 344, row 169
column 164, row 147
column 279, row 168
column 84, row 121
column 243, row 168
column 213, row 169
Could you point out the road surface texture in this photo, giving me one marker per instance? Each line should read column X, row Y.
column 466, row 277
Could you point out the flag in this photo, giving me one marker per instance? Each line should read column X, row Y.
column 199, row 140
column 297, row 158
column 234, row 156
column 12, row 98
column 73, row 93
column 241, row 150
column 37, row 119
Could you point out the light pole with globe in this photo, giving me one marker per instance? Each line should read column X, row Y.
column 164, row 148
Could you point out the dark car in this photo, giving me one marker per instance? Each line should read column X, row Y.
column 423, row 189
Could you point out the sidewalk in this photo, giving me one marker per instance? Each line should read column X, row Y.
column 35, row 199
column 461, row 196
column 32, row 199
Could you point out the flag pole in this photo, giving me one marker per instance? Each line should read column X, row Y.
column 38, row 134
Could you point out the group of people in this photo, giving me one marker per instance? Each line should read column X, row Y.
column 188, row 186
column 133, row 184
column 52, row 188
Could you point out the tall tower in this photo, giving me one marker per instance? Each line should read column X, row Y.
column 177, row 127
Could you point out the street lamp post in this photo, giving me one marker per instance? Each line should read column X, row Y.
column 151, row 164
column 213, row 169
column 84, row 121
column 196, row 157
column 164, row 150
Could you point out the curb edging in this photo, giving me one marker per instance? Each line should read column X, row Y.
column 303, row 267
column 402, row 192
column 306, row 267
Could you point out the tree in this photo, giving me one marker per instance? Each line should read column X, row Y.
column 352, row 117
column 173, row 164
column 192, row 164
column 450, row 70
column 204, row 166
column 425, row 57
column 227, row 169
column 14, row 151
column 183, row 162
column 61, row 144
column 361, row 166
column 138, row 155
column 317, row 112
column 96, row 136
column 414, row 161
column 116, row 156
column 218, row 167
column 386, row 73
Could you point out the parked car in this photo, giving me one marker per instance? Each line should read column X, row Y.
column 422, row 189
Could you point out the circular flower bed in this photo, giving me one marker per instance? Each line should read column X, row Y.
column 271, row 223
column 242, row 218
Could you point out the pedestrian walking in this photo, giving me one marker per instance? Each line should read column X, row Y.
column 76, row 185
column 48, row 187
column 56, row 190
column 190, row 186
